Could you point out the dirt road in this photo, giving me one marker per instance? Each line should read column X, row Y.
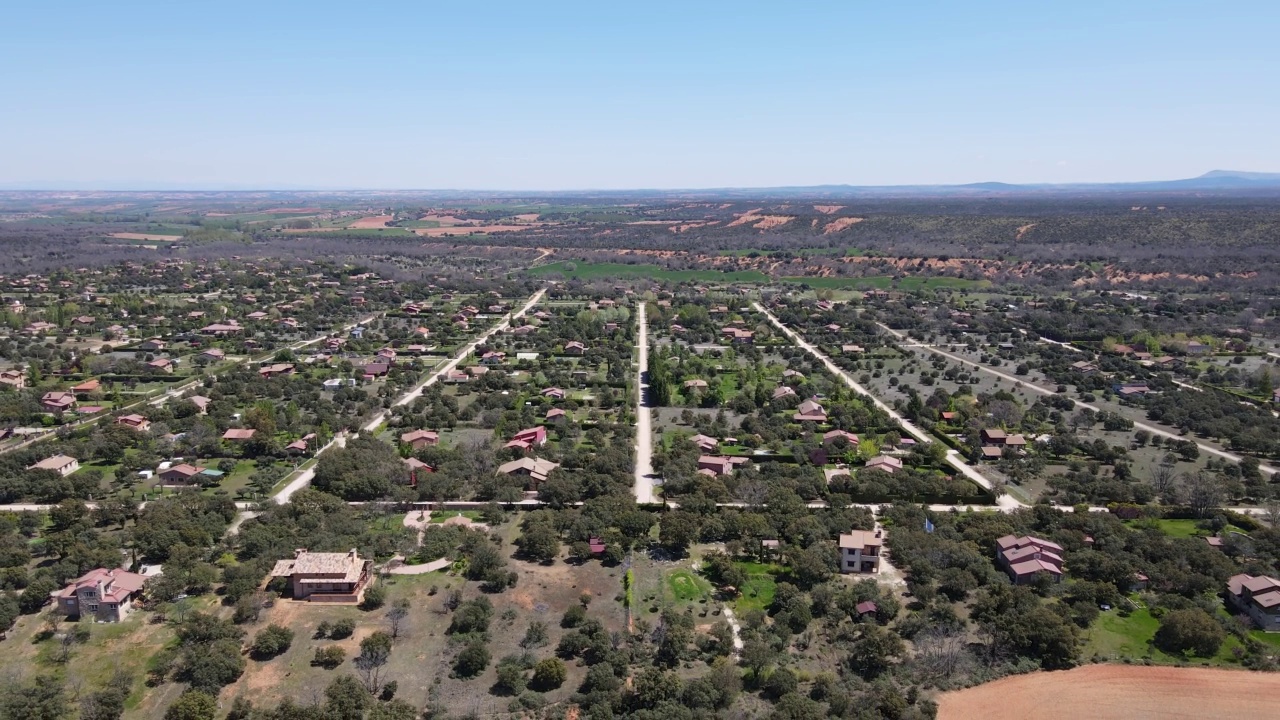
column 954, row 459
column 1078, row 403
column 644, row 419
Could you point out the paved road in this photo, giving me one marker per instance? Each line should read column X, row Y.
column 1080, row 404
column 644, row 419
column 954, row 459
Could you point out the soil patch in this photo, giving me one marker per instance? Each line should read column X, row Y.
column 1116, row 692
column 837, row 225
column 377, row 221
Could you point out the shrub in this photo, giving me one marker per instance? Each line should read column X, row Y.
column 573, row 617
column 343, row 628
column 271, row 641
column 548, row 674
column 329, row 657
column 472, row 661
column 374, row 597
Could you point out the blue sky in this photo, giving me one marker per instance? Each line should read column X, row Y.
column 557, row 95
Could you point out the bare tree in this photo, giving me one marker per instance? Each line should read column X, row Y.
column 941, row 652
column 1271, row 512
column 396, row 617
column 1163, row 481
column 1203, row 492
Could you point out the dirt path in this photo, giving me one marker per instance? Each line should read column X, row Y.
column 730, row 618
column 422, row 569
column 1119, row 692
column 1268, row 469
column 954, row 459
column 644, row 419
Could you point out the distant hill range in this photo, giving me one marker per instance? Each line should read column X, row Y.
column 1216, row 183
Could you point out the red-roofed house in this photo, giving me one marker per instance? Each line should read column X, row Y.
column 137, row 422
column 418, row 439
column 1258, row 597
column 715, row 464
column 57, row 402
column 810, row 410
column 533, row 436
column 105, row 595
column 1024, row 557
column 238, row 434
column 860, row 551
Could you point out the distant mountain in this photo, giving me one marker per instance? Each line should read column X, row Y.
column 1215, row 174
column 1213, row 183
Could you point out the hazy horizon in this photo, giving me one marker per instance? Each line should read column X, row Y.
column 582, row 96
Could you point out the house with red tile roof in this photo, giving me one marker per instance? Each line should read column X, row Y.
column 137, row 422
column 860, row 551
column 105, row 595
column 810, row 410
column 57, row 401
column 326, row 577
column 1258, row 597
column 1023, row 557
column 418, row 439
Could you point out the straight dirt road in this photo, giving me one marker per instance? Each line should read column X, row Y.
column 305, row 476
column 954, row 459
column 1078, row 403
column 453, row 363
column 644, row 418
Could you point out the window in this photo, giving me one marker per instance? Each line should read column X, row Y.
column 93, row 608
column 111, row 606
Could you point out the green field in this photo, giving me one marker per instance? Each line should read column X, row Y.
column 685, row 586
column 1178, row 528
column 592, row 271
column 1118, row 637
column 758, row 592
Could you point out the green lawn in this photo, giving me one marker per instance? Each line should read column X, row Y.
column 1114, row 636
column 757, row 593
column 686, row 586
column 1178, row 528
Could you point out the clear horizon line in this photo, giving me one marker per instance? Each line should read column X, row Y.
column 213, row 188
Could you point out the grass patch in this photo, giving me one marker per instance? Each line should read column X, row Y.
column 1115, row 636
column 685, row 586
column 757, row 593
column 1177, row 528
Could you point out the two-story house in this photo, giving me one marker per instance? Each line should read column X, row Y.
column 1258, row 597
column 105, row 595
column 325, row 577
column 860, row 551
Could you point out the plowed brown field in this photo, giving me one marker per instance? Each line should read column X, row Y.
column 1119, row 692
